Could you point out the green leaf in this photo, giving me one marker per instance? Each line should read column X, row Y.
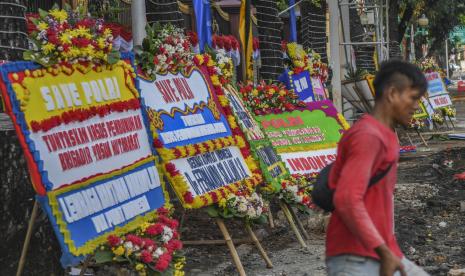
column 43, row 13
column 103, row 257
column 27, row 55
column 35, row 21
column 67, row 7
column 212, row 211
column 113, row 57
column 146, row 44
column 261, row 220
column 55, row 7
column 121, row 259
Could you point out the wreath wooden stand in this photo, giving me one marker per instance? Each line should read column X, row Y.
column 230, row 243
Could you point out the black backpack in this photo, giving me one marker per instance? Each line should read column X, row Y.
column 322, row 195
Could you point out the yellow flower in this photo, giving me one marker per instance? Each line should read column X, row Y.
column 282, row 92
column 48, row 48
column 59, row 15
column 144, row 226
column 211, row 62
column 255, row 92
column 65, row 38
column 83, row 32
column 222, row 203
column 42, row 26
column 139, row 266
column 101, row 42
column 200, row 59
column 215, row 80
column 118, row 251
column 107, row 32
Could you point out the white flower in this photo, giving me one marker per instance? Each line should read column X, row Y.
column 167, row 234
column 128, row 245
column 251, row 213
column 242, row 207
column 157, row 253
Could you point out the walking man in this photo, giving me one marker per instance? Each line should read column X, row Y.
column 360, row 238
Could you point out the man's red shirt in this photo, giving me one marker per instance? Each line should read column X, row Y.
column 364, row 217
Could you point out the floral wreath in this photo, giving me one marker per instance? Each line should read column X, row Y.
column 151, row 249
column 305, row 61
column 269, row 98
column 65, row 36
column 165, row 49
column 296, row 190
column 185, row 60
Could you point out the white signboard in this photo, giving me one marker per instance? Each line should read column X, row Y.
column 175, row 91
column 307, row 162
column 440, row 101
column 95, row 146
column 212, row 170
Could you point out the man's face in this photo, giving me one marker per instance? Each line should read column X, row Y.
column 405, row 103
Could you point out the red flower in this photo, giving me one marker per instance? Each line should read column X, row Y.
column 163, row 262
column 113, row 240
column 193, row 38
column 289, row 106
column 86, row 22
column 80, row 42
column 149, row 243
column 136, row 240
column 196, row 61
column 211, row 70
column 146, row 257
column 188, row 197
column 234, row 42
column 154, row 229
column 171, row 169
column 227, row 43
column 214, row 196
column 174, row 245
column 177, row 153
column 162, row 211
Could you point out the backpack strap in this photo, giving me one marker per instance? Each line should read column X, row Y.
column 376, row 178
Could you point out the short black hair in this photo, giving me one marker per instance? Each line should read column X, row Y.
column 399, row 74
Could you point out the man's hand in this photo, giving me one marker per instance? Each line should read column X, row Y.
column 390, row 263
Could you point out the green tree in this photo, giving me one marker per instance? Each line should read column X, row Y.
column 443, row 16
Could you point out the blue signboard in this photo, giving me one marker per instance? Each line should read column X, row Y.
column 435, row 84
column 301, row 84
column 88, row 150
column 182, row 109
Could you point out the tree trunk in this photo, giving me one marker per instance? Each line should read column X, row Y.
column 269, row 27
column 164, row 12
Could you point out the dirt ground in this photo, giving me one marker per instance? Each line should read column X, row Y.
column 430, row 207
